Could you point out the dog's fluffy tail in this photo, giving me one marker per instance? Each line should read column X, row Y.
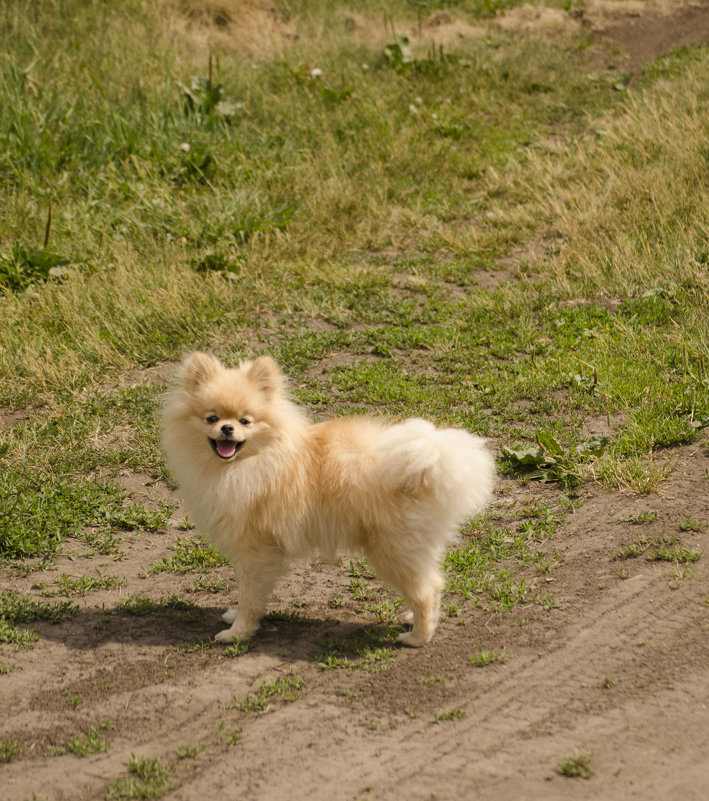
column 447, row 467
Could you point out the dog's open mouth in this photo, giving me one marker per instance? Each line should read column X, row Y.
column 225, row 448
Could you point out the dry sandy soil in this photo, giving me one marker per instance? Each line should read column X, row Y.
column 618, row 668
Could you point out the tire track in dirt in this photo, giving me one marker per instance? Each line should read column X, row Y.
column 522, row 717
column 544, row 704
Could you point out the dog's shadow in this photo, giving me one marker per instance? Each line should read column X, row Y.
column 187, row 628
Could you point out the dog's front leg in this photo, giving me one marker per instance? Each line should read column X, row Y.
column 256, row 575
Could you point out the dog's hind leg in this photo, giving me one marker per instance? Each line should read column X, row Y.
column 425, row 604
column 421, row 584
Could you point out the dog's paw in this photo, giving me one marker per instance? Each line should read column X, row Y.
column 230, row 616
column 224, row 636
column 407, row 638
column 229, row 635
column 409, row 617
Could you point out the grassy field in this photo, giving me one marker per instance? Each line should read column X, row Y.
column 488, row 234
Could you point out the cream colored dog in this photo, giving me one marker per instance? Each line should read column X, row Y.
column 268, row 486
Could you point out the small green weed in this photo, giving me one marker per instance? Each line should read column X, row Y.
column 226, row 737
column 138, row 606
column 90, row 743
column 237, row 648
column 668, row 549
column 6, row 667
column 360, row 569
column 283, row 690
column 141, row 605
column 195, row 647
column 24, row 266
column 640, row 517
column 550, row 461
column 679, row 572
column 450, row 714
column 207, row 584
column 476, row 570
column 576, row 766
column 449, row 609
column 148, row 779
column 189, row 751
column 429, row 679
column 691, row 524
column 633, row 549
column 484, row 658
column 20, row 638
column 385, row 612
column 361, row 590
column 286, row 616
column 192, row 554
column 9, row 749
column 664, row 549
column 83, row 585
column 370, row 650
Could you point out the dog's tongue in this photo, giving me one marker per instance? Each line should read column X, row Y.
column 226, row 449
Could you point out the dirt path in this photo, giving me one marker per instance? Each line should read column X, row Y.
column 618, row 668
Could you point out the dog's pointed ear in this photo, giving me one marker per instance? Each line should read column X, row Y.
column 198, row 368
column 264, row 373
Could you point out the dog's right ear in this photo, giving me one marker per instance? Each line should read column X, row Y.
column 198, row 368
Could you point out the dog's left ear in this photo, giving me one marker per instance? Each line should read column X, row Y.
column 264, row 373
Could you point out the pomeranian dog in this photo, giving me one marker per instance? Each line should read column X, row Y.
column 267, row 486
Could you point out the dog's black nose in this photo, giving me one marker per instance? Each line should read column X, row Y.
column 227, row 429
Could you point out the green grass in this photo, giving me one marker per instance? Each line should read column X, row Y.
column 479, row 571
column 17, row 608
column 22, row 609
column 38, row 514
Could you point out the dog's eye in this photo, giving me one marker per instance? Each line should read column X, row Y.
column 244, row 422
column 212, row 419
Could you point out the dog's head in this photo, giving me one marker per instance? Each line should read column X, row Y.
column 230, row 410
